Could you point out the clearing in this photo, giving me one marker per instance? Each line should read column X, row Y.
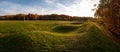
column 53, row 36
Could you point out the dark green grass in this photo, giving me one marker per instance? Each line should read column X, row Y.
column 38, row 36
column 76, row 23
column 64, row 29
column 16, row 43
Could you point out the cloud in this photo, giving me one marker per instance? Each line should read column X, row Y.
column 10, row 8
column 78, row 8
column 6, row 7
column 50, row 1
column 75, row 8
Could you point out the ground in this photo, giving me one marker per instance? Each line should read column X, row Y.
column 53, row 36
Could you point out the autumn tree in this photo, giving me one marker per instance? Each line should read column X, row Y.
column 19, row 17
column 32, row 16
column 109, row 11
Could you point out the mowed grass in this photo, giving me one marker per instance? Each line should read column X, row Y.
column 53, row 36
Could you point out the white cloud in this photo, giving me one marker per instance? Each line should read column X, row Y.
column 78, row 8
column 13, row 8
column 50, row 1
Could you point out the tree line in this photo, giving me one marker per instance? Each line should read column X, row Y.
column 109, row 12
column 41, row 17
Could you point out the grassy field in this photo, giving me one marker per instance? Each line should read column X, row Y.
column 53, row 36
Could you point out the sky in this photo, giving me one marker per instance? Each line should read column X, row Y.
column 42, row 7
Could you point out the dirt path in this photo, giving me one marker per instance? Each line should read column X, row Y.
column 109, row 34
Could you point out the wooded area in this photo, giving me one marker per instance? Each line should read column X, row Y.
column 109, row 11
column 41, row 17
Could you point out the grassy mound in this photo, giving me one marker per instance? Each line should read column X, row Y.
column 64, row 29
column 77, row 23
column 53, row 36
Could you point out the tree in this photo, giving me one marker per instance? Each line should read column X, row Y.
column 109, row 10
column 19, row 17
column 33, row 16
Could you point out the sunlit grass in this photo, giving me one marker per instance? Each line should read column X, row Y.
column 42, row 36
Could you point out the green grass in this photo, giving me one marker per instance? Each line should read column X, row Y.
column 53, row 36
column 16, row 43
column 64, row 29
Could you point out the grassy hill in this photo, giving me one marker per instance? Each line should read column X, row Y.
column 53, row 36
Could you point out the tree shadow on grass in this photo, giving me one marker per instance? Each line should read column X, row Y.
column 16, row 43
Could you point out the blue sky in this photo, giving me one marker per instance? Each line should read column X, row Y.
column 68, row 7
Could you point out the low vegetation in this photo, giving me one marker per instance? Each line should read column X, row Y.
column 53, row 36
